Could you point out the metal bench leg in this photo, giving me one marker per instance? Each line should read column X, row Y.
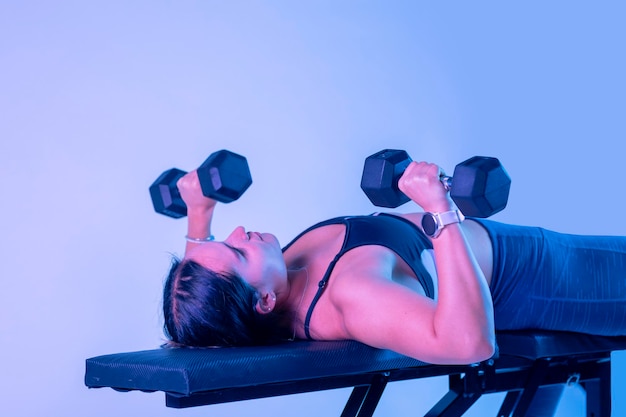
column 364, row 398
column 509, row 403
column 464, row 391
column 599, row 391
column 543, row 404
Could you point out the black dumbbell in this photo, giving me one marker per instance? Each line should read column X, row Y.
column 224, row 176
column 479, row 186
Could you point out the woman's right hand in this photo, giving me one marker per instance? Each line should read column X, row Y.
column 191, row 193
column 421, row 182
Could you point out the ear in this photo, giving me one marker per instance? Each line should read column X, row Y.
column 266, row 303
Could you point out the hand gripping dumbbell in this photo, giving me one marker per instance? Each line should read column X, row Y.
column 224, row 176
column 479, row 186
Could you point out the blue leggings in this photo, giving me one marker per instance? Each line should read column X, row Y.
column 555, row 281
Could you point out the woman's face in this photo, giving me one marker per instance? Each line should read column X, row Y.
column 255, row 257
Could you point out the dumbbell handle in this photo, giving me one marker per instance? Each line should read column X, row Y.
column 446, row 181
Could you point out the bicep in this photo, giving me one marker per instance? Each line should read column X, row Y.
column 386, row 315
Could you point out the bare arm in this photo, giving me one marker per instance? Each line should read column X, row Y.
column 384, row 314
column 458, row 327
column 464, row 314
column 199, row 209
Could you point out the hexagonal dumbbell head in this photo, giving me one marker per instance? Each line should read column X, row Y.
column 224, row 176
column 381, row 173
column 165, row 196
column 480, row 186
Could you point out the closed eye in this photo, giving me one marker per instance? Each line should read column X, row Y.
column 236, row 251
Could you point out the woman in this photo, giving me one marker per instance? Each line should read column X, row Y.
column 381, row 281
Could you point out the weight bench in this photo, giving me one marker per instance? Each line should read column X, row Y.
column 525, row 362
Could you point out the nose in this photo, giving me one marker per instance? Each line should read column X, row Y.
column 238, row 234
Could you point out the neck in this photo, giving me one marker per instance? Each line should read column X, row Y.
column 297, row 279
column 298, row 282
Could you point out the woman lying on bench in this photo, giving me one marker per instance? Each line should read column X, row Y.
column 380, row 280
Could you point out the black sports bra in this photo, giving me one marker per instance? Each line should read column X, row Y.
column 392, row 232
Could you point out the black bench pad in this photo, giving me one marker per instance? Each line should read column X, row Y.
column 538, row 344
column 188, row 371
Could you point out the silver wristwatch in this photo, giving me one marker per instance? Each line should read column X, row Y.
column 433, row 223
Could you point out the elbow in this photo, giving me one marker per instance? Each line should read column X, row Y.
column 477, row 350
column 484, row 351
column 467, row 349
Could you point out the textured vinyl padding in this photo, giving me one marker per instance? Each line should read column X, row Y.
column 545, row 344
column 187, row 371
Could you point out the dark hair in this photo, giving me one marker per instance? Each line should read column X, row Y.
column 202, row 308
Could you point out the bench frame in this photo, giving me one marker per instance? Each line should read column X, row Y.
column 526, row 363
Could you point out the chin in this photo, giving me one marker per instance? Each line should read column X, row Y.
column 268, row 237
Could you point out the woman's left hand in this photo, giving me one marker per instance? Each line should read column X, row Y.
column 421, row 182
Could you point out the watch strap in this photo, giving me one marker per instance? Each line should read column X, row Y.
column 434, row 223
column 450, row 217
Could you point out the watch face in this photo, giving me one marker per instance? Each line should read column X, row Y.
column 429, row 224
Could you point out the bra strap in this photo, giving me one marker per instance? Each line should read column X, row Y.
column 322, row 284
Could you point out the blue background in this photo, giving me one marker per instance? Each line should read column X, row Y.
column 97, row 98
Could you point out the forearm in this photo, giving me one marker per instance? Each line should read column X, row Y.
column 463, row 318
column 198, row 226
